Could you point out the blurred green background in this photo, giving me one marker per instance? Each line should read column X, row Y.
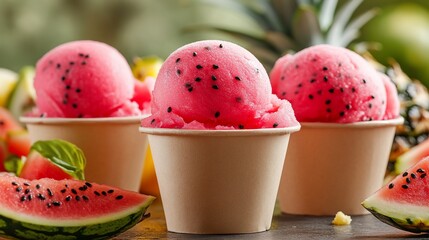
column 30, row 28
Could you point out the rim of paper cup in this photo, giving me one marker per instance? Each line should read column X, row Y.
column 41, row 120
column 363, row 124
column 213, row 132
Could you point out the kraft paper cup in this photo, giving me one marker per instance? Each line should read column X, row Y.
column 218, row 181
column 113, row 147
column 334, row 167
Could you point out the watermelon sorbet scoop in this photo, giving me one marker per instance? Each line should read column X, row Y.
column 333, row 84
column 84, row 79
column 216, row 85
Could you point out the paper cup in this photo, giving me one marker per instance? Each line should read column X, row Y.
column 113, row 147
column 218, row 181
column 334, row 167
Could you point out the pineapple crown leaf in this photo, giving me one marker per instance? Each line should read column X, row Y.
column 351, row 32
column 327, row 13
column 305, row 26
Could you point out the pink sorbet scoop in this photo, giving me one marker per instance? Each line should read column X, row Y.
column 84, row 79
column 216, row 85
column 333, row 84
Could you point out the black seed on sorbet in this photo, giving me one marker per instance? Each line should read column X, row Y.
column 372, row 96
column 198, row 79
column 214, row 78
column 71, row 63
column 237, row 78
column 74, row 105
column 341, row 89
column 83, row 63
column 275, row 125
column 199, row 66
column 220, row 45
column 341, row 114
column 240, row 126
column 325, row 78
column 283, row 93
column 217, row 114
column 190, row 89
column 169, row 109
column 238, row 99
column 353, row 89
column 331, row 90
column 153, row 121
column 49, row 192
column 348, row 106
column 78, row 90
column 328, row 110
column 179, row 71
column 325, row 68
column 56, row 203
column 328, row 102
column 194, row 54
column 177, row 60
column 58, row 65
column 215, row 87
column 215, row 66
column 364, row 81
column 420, row 170
column 310, row 96
column 312, row 80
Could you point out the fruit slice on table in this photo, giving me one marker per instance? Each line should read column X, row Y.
column 18, row 142
column 404, row 202
column 22, row 98
column 7, row 123
column 8, row 80
column 67, row 209
column 55, row 159
column 411, row 157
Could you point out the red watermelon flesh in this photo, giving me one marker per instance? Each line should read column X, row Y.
column 36, row 167
column 18, row 142
column 66, row 202
column 7, row 122
column 404, row 202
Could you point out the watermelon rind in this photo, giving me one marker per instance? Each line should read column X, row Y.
column 19, row 227
column 404, row 216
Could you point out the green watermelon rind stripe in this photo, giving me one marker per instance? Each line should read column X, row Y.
column 20, row 230
column 8, row 213
column 407, row 217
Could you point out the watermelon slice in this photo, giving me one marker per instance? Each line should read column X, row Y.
column 403, row 203
column 55, row 159
column 3, row 155
column 7, row 123
column 67, row 209
column 18, row 142
column 412, row 156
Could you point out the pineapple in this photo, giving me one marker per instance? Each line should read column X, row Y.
column 289, row 25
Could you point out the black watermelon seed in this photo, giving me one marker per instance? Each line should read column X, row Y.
column 404, row 186
column 405, row 174
column 78, row 90
column 217, row 114
column 49, row 192
column 29, row 197
column 41, row 197
column 199, row 66
column 275, row 125
column 23, row 198
column 85, row 198
column 353, row 89
column 88, row 184
column 190, row 89
column 413, row 175
column 169, row 109
column 187, row 85
column 420, row 170
column 177, row 60
column 26, row 184
column 68, row 198
column 325, row 68
column 391, row 186
column 119, row 197
column 197, row 79
column 310, row 96
column 56, row 203
column 312, row 80
column 215, row 66
column 58, row 65
column 77, row 198
column 74, row 191
column 178, row 71
column 408, row 180
column 220, row 45
column 215, row 87
column 110, row 191
column 68, row 87
column 348, row 106
column 241, row 126
column 83, row 188
column 104, row 193
column 97, row 193
column 18, row 189
column 327, row 102
column 65, row 185
column 153, row 121
column 423, row 175
column 214, row 78
column 63, row 78
column 364, row 81
column 38, row 186
column 194, row 54
column 331, row 90
column 325, row 78
column 27, row 191
column 14, row 184
column 74, row 105
column 341, row 114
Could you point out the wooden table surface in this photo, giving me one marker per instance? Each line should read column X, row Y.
column 283, row 227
